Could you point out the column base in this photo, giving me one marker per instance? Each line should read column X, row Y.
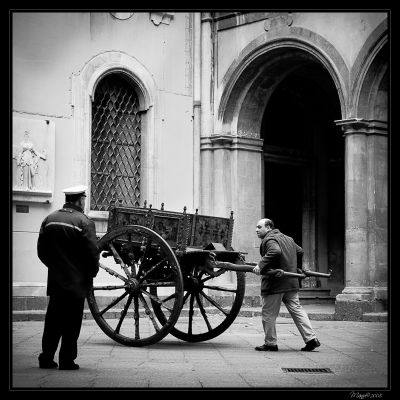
column 352, row 303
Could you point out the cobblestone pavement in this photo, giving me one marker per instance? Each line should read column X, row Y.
column 356, row 353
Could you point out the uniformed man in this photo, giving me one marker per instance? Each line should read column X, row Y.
column 67, row 245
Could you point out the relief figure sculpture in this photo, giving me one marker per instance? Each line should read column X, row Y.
column 28, row 163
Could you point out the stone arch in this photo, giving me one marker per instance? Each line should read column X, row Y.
column 252, row 77
column 369, row 77
column 112, row 62
column 84, row 84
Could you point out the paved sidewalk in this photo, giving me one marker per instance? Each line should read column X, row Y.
column 355, row 352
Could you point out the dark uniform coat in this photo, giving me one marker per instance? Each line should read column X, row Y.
column 279, row 251
column 67, row 245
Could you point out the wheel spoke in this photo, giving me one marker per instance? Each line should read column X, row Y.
column 222, row 289
column 120, row 260
column 191, row 314
column 160, row 284
column 145, row 255
column 203, row 312
column 123, row 314
column 136, row 317
column 148, row 312
column 152, row 269
column 152, row 297
column 216, row 274
column 109, row 287
column 113, row 273
column 171, row 296
column 185, row 297
column 215, row 304
column 113, row 303
column 158, row 300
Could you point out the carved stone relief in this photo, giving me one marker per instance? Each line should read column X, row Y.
column 278, row 20
column 122, row 15
column 33, row 159
column 161, row 17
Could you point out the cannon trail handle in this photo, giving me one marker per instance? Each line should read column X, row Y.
column 233, row 267
column 318, row 274
column 248, row 267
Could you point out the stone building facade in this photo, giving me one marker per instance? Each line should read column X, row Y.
column 276, row 114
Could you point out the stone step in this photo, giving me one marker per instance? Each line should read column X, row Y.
column 315, row 312
column 318, row 292
column 375, row 317
column 27, row 303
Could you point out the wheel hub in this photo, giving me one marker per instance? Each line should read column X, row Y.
column 133, row 285
column 194, row 285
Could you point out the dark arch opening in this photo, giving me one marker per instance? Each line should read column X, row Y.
column 304, row 165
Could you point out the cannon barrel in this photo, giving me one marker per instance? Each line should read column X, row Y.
column 248, row 267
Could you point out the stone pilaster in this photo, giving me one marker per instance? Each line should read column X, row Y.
column 231, row 181
column 366, row 178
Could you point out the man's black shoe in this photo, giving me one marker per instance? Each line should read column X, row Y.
column 68, row 366
column 311, row 345
column 266, row 347
column 47, row 364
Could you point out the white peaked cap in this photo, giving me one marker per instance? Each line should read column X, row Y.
column 75, row 189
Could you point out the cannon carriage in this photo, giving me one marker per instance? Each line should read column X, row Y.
column 154, row 265
column 167, row 272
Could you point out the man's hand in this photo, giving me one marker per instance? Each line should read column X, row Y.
column 279, row 273
column 256, row 270
column 212, row 256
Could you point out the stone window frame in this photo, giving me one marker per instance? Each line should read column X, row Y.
column 84, row 84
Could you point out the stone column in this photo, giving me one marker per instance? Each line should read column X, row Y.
column 365, row 219
column 196, row 108
column 206, row 125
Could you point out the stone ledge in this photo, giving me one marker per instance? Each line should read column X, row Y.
column 32, row 303
column 375, row 317
column 320, row 313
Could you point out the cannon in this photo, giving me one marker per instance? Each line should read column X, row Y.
column 165, row 272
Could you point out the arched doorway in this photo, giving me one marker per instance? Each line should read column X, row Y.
column 281, row 100
column 303, row 165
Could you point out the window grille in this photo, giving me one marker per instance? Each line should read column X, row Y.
column 115, row 148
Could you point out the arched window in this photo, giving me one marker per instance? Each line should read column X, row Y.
column 115, row 145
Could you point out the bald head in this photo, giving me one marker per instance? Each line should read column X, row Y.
column 267, row 222
column 263, row 227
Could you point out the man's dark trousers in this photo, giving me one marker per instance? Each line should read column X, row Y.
column 63, row 321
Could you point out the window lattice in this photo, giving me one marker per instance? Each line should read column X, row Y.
column 115, row 149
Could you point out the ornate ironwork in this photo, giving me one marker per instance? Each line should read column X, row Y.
column 116, row 142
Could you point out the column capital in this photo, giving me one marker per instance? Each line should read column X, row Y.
column 362, row 126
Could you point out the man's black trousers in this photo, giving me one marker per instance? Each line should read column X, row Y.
column 63, row 321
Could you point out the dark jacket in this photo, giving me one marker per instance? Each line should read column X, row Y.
column 67, row 245
column 279, row 251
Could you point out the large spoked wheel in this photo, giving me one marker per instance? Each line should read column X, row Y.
column 210, row 304
column 139, row 268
